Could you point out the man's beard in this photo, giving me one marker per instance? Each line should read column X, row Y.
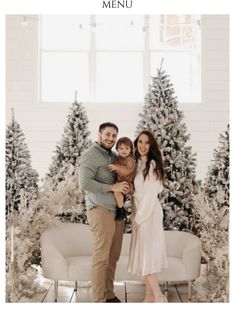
column 107, row 148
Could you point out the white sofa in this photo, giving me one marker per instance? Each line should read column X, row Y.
column 66, row 252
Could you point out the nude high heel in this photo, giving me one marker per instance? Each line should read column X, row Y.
column 161, row 298
column 149, row 297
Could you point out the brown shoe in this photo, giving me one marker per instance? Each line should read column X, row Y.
column 114, row 299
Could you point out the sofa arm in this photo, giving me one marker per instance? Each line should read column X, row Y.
column 192, row 261
column 54, row 265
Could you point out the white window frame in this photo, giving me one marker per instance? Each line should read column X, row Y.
column 92, row 63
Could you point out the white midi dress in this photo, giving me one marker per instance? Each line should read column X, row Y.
column 147, row 249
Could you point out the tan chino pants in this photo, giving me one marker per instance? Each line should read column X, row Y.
column 107, row 239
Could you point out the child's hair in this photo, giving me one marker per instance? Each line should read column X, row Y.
column 125, row 141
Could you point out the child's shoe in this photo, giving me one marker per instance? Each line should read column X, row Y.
column 120, row 213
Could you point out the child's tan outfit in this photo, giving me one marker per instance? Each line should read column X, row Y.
column 126, row 172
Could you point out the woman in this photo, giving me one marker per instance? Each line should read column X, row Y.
column 148, row 251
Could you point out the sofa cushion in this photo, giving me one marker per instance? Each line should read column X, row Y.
column 79, row 268
column 175, row 270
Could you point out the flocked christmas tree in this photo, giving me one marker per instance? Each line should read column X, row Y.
column 218, row 173
column 21, row 178
column 21, row 251
column 212, row 205
column 75, row 139
column 163, row 118
column 21, row 185
column 58, row 195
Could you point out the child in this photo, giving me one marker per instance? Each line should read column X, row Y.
column 125, row 168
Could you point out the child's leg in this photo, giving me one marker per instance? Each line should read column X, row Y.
column 119, row 199
column 120, row 210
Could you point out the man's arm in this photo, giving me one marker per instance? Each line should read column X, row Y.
column 87, row 180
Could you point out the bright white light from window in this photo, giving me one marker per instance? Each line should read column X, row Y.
column 120, row 32
column 62, row 74
column 109, row 58
column 182, row 71
column 119, row 77
column 61, row 32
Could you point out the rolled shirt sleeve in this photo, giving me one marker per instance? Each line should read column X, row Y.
column 87, row 175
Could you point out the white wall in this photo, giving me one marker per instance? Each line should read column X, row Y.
column 43, row 124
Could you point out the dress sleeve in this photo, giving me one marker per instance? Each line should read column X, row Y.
column 151, row 188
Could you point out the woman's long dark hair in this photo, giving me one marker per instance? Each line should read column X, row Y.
column 154, row 154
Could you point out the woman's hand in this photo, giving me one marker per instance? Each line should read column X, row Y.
column 135, row 225
column 113, row 168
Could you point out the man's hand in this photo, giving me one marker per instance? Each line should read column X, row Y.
column 113, row 168
column 119, row 187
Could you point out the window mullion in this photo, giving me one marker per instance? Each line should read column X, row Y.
column 92, row 58
column 146, row 55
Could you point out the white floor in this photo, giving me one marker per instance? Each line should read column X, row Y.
column 129, row 292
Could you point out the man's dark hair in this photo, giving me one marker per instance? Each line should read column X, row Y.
column 107, row 124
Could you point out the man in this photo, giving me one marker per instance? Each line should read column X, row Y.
column 99, row 184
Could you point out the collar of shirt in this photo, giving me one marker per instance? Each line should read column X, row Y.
column 102, row 149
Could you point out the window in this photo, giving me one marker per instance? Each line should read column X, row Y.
column 111, row 58
column 178, row 44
